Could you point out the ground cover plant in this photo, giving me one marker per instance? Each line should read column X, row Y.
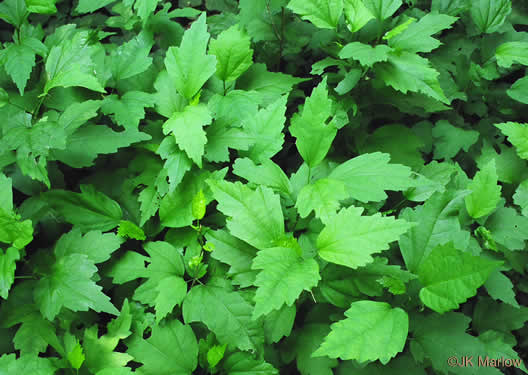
column 263, row 187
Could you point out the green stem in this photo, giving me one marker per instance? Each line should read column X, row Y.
column 35, row 113
column 281, row 40
column 278, row 35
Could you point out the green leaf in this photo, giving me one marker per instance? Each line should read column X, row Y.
column 449, row 139
column 13, row 12
column 215, row 355
column 312, row 128
column 145, row 8
column 437, row 337
column 166, row 268
column 41, row 6
column 70, row 64
column 129, row 267
column 236, row 253
column 518, row 90
column 189, row 65
column 490, row 315
column 26, row 364
column 356, row 14
column 449, row 277
column 283, row 277
column 128, row 110
column 265, row 129
column 131, row 58
column 115, row 371
column 485, row 192
column 512, row 52
column 254, row 216
column 168, row 100
column 500, row 287
column 226, row 313
column 349, row 239
column 254, row 16
column 417, row 37
column 517, row 134
column 165, row 259
column 198, row 205
column 510, row 167
column 350, row 81
column 35, row 334
column 233, row 53
column 7, row 269
column 172, row 291
column 322, row 13
column 128, row 229
column 176, row 207
column 242, row 363
column 398, row 29
column 365, row 53
column 220, row 138
column 308, row 339
column 90, row 209
column 76, row 357
column 520, row 198
column 73, row 290
column 451, row 7
column 97, row 246
column 187, row 128
column 433, row 177
column 508, row 228
column 279, row 323
column 382, row 9
column 4, row 97
column 366, row 177
column 371, row 331
column 410, row 72
column 489, row 15
column 499, row 345
column 399, row 141
column 92, row 140
column 13, row 231
column 433, row 216
column 170, row 350
column 177, row 163
column 6, row 193
column 89, row 6
column 270, row 85
column 268, row 174
column 323, row 197
column 20, row 60
column 77, row 114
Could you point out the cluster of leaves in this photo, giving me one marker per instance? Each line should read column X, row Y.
column 262, row 186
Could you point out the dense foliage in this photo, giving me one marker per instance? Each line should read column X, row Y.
column 249, row 187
